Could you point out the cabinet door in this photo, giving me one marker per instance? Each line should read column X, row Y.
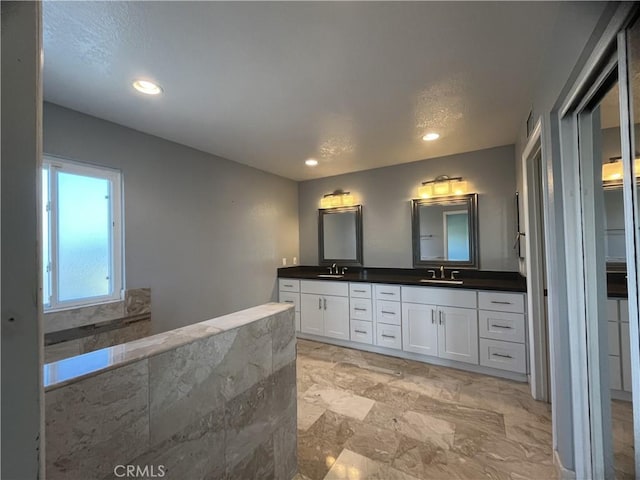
column 419, row 329
column 311, row 314
column 625, row 356
column 458, row 334
column 336, row 317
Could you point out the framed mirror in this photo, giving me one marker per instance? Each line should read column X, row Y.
column 340, row 235
column 445, row 231
column 614, row 240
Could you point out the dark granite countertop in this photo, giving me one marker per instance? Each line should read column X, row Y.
column 473, row 279
column 617, row 284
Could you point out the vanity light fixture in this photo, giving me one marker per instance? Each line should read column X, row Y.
column 612, row 170
column 311, row 162
column 431, row 136
column 147, row 87
column 338, row 198
column 443, row 185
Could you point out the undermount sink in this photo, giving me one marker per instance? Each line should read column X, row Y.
column 442, row 280
column 330, row 275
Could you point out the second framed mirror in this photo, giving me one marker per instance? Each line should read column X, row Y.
column 445, row 231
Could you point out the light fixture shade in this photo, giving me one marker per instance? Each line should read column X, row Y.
column 347, row 200
column 443, row 186
column 337, row 199
column 325, row 202
column 426, row 191
column 612, row 171
column 459, row 187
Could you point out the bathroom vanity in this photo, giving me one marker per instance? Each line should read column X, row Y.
column 477, row 324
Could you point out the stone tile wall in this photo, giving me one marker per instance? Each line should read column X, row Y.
column 219, row 407
column 85, row 329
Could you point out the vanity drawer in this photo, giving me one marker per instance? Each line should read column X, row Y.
column 446, row 297
column 614, row 338
column 323, row 287
column 361, row 309
column 387, row 292
column 288, row 285
column 389, row 336
column 362, row 332
column 388, row 312
column 503, row 355
column 360, row 290
column 501, row 326
column 289, row 297
column 502, row 302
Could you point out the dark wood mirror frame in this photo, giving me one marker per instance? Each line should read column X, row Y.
column 322, row 213
column 471, row 202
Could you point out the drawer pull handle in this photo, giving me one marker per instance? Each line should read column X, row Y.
column 359, row 291
column 361, row 331
column 288, row 301
column 440, row 317
column 501, row 355
column 386, row 312
column 325, row 303
column 387, row 293
column 359, row 309
column 500, row 303
column 502, row 326
column 286, row 285
column 319, row 304
column 388, row 336
column 433, row 316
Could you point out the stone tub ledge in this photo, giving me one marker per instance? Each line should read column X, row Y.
column 73, row 369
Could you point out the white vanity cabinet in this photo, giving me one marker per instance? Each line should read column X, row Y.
column 361, row 313
column 502, row 331
column 289, row 292
column 618, row 341
column 482, row 331
column 388, row 316
column 324, row 308
column 432, row 326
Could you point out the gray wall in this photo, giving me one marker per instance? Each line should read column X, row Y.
column 385, row 194
column 204, row 233
column 21, row 326
column 577, row 28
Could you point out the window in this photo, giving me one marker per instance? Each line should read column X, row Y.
column 81, row 234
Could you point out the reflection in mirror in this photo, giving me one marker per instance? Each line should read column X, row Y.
column 445, row 231
column 340, row 235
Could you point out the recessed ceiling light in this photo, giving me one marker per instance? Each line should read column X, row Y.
column 311, row 162
column 147, row 87
column 429, row 137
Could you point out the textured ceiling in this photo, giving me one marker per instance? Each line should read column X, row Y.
column 354, row 85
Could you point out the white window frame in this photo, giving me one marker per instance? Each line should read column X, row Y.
column 117, row 254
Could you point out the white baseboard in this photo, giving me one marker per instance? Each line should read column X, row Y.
column 563, row 473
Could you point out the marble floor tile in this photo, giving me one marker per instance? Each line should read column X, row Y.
column 352, row 466
column 321, row 444
column 443, row 389
column 339, row 401
column 367, row 416
column 394, row 397
column 308, row 413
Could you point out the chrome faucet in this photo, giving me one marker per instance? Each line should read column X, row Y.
column 344, row 269
column 330, row 270
column 441, row 271
column 432, row 272
column 335, row 268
